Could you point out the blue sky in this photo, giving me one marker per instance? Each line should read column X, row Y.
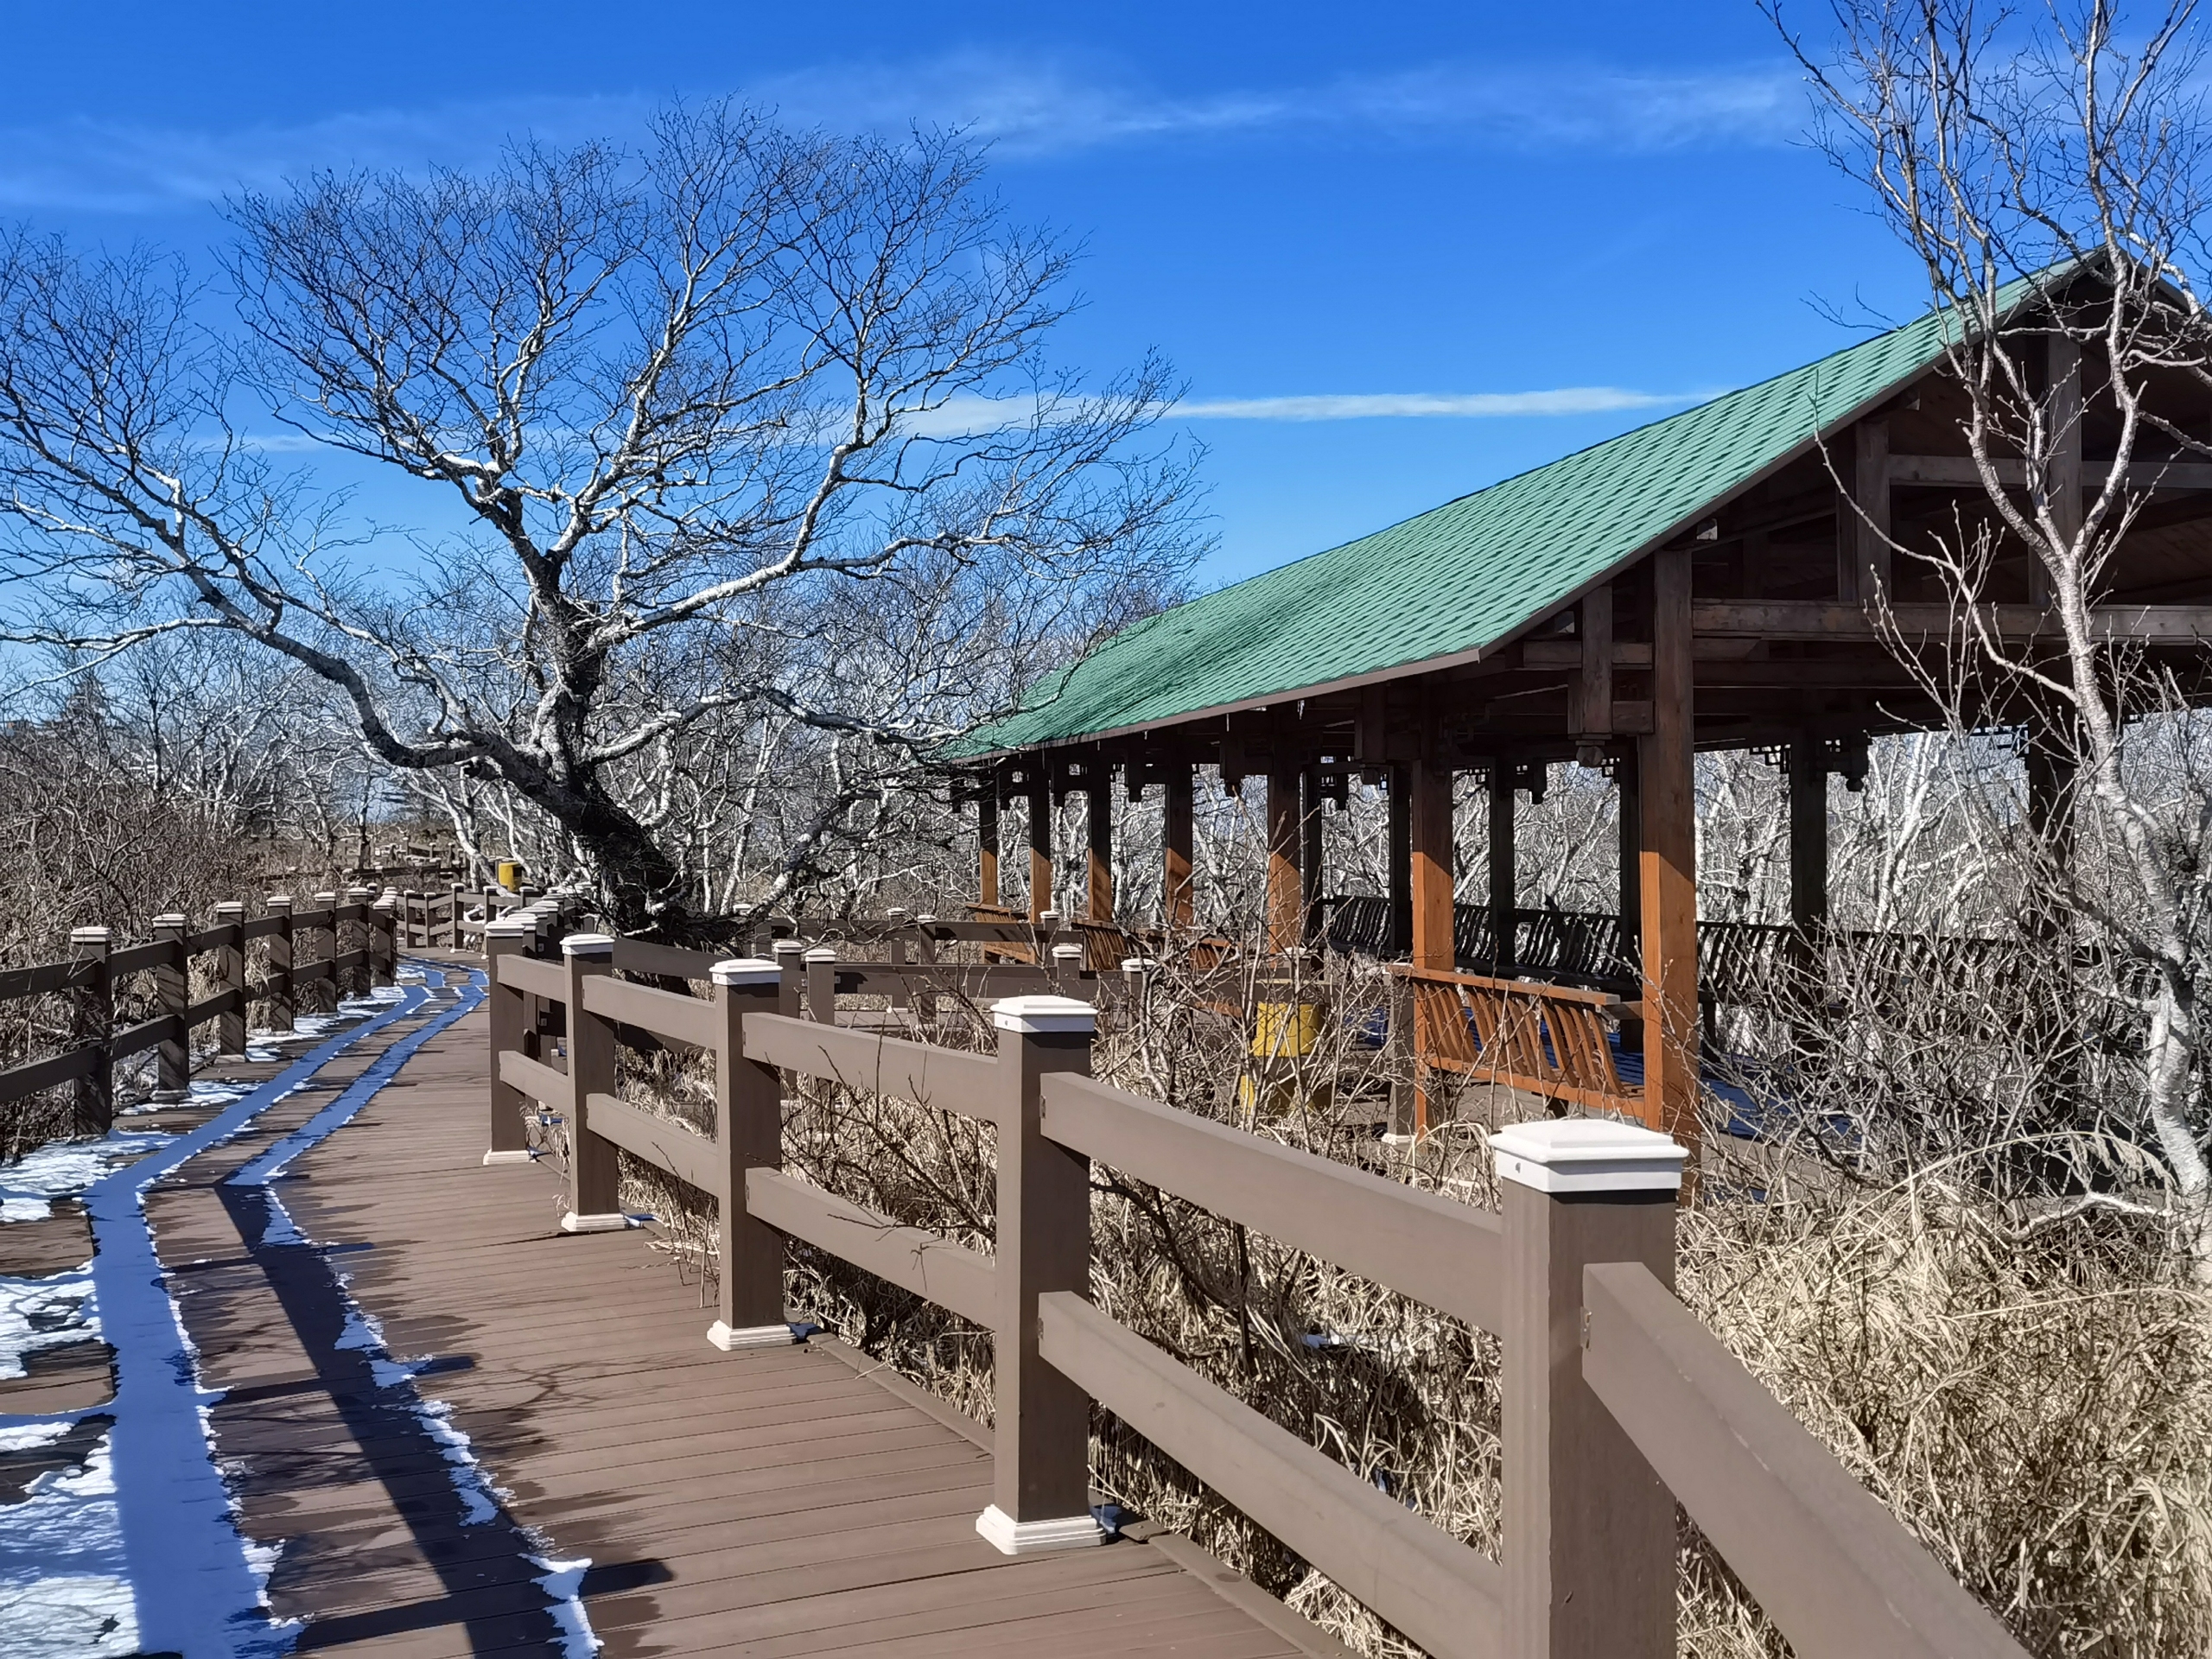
column 1464, row 218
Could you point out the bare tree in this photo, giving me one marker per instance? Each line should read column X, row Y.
column 2049, row 177
column 738, row 388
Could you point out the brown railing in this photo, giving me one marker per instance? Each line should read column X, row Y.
column 342, row 943
column 1549, row 1040
column 1598, row 1443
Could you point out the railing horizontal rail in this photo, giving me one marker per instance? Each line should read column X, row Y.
column 136, row 1040
column 160, row 953
column 659, row 1141
column 546, row 979
column 1543, row 990
column 942, row 1078
column 1441, row 1593
column 307, row 918
column 536, row 1080
column 947, row 1274
column 643, row 957
column 21, row 1080
column 230, row 1001
column 44, row 979
column 207, row 938
column 669, row 1014
column 967, row 979
column 1435, row 1250
column 266, row 927
column 1833, row 1569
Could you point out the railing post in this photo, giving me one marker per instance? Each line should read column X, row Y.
column 173, row 990
column 1067, row 966
column 791, row 975
column 230, row 976
column 93, row 1026
column 359, row 980
column 1589, row 1532
column 281, row 990
column 510, row 1137
column 1040, row 1496
column 452, row 917
column 594, row 1173
column 383, row 939
column 822, row 984
column 748, row 1134
column 895, row 953
column 323, row 992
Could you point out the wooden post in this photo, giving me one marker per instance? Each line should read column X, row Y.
column 1504, row 875
column 1808, row 833
column 987, row 842
column 1041, row 1472
column 595, row 1174
column 1629, row 803
column 510, row 1023
column 383, row 939
column 1589, row 1529
column 1040, row 840
column 1178, row 901
column 93, row 1026
column 2065, row 481
column 1666, row 762
column 1591, row 693
column 1067, row 965
column 1286, row 931
column 322, row 993
column 1400, row 832
column 790, row 956
column 229, row 978
column 454, row 916
column 822, row 984
column 280, row 988
column 1098, row 827
column 1312, row 877
column 173, row 990
column 1865, row 517
column 1432, row 857
column 359, row 980
column 748, row 1134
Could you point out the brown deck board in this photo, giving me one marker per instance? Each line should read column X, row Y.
column 775, row 1502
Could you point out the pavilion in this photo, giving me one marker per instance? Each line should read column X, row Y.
column 1725, row 578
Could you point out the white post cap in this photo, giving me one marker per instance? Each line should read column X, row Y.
column 326, row 893
column 746, row 970
column 927, row 918
column 1138, row 964
column 786, row 947
column 169, row 918
column 895, row 912
column 1044, row 1014
column 88, row 936
column 231, row 907
column 823, row 953
column 279, row 899
column 1048, row 919
column 1588, row 1154
column 508, row 928
column 591, row 945
column 1068, row 953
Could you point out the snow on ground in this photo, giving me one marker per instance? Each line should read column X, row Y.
column 62, row 1169
column 65, row 1588
column 43, row 1313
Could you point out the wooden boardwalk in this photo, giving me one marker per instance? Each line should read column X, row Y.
column 775, row 1502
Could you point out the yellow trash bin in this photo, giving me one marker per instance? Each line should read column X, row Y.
column 1284, row 1032
column 511, row 873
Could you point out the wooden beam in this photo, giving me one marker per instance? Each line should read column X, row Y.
column 1098, row 825
column 1809, row 832
column 1286, row 900
column 987, row 844
column 1399, row 831
column 1176, row 906
column 1592, row 713
column 1504, row 874
column 1041, row 838
column 1666, row 763
column 1311, row 876
column 1822, row 620
column 1630, row 804
column 1865, row 517
column 1959, row 472
column 2062, row 415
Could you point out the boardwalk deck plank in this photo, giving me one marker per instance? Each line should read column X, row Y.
column 776, row 1501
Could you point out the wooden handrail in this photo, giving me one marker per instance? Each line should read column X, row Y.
column 529, row 975
column 1549, row 1040
column 661, row 1142
column 1439, row 1592
column 930, row 1267
column 1541, row 989
column 537, row 1080
column 1445, row 1253
column 942, row 1078
column 666, row 1014
column 1833, row 1569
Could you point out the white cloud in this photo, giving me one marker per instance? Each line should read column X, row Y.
column 1022, row 106
column 967, row 415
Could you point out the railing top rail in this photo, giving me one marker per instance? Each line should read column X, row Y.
column 947, row 1078
column 1543, row 989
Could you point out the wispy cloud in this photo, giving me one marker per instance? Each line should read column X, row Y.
column 1023, row 107
column 966, row 415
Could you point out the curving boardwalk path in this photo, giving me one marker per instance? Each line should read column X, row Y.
column 460, row 1431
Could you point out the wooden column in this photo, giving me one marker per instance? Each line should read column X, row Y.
column 1629, row 802
column 1285, row 896
column 1401, row 833
column 322, row 993
column 1041, row 1477
column 1808, row 833
column 1430, row 834
column 1863, row 522
column 92, row 994
column 2064, row 417
column 1040, row 841
column 230, row 975
column 172, row 986
column 1098, row 830
column 749, row 1135
column 1503, row 872
column 987, row 844
column 1177, row 908
column 281, row 993
column 509, row 1016
column 594, row 1173
column 1666, row 761
column 1589, row 1529
column 1313, row 875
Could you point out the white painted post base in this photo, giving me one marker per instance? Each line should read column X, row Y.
column 510, row 1157
column 729, row 1338
column 572, row 1223
column 1012, row 1537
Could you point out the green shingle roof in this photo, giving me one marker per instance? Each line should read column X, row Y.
column 1463, row 576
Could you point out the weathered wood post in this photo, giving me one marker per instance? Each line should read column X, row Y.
column 383, row 939
column 1041, row 1472
column 322, row 992
column 822, row 983
column 1285, row 925
column 1099, row 834
column 1178, row 907
column 790, row 956
column 1429, row 832
column 987, row 842
column 748, row 1134
column 510, row 1021
column 1040, row 837
column 172, row 991
column 1067, row 966
column 361, row 928
column 281, row 988
column 453, row 915
column 1589, row 1529
column 1629, row 793
column 1504, row 876
column 230, row 978
column 594, row 1173
column 1667, row 771
column 93, row 1026
column 894, row 951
